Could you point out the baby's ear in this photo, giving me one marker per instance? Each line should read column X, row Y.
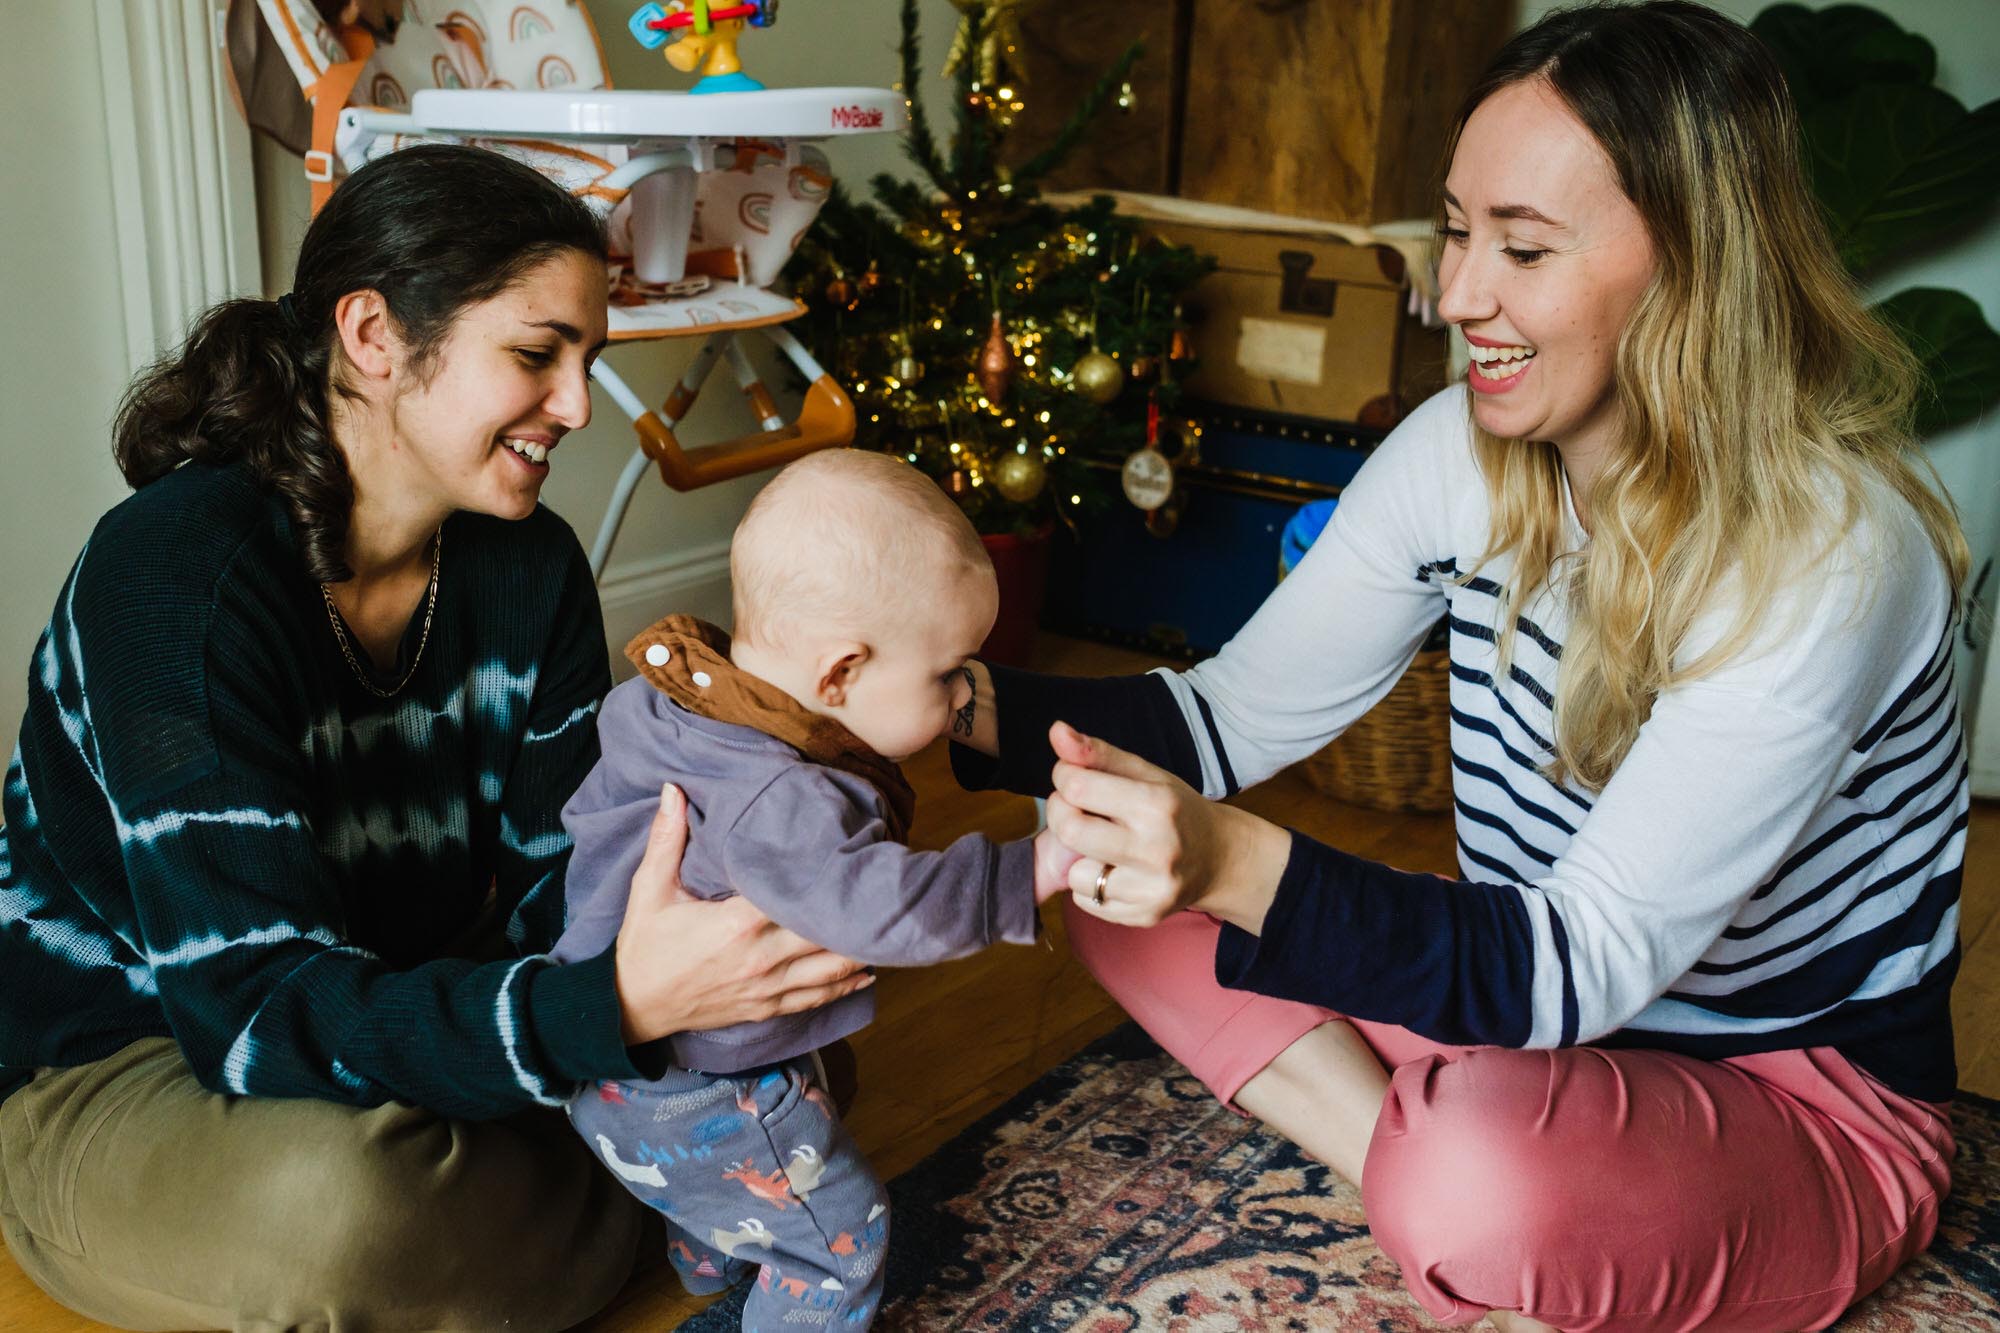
column 839, row 667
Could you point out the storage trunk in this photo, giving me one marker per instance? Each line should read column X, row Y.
column 1307, row 326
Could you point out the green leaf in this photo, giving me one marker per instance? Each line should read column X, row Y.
column 1825, row 53
column 1959, row 350
column 1896, row 165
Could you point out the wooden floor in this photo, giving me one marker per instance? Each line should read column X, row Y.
column 950, row 1043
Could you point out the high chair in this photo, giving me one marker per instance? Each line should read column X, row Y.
column 705, row 197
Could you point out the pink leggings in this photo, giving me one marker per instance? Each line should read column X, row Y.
column 1591, row 1189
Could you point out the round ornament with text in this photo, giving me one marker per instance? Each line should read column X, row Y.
column 1148, row 479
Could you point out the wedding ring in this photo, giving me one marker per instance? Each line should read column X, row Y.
column 1098, row 896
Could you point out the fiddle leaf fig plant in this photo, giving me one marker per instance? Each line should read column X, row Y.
column 1897, row 164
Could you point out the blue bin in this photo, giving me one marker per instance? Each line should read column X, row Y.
column 1187, row 594
column 1301, row 532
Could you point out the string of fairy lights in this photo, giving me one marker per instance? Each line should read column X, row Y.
column 990, row 337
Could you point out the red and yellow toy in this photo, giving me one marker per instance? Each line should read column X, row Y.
column 701, row 38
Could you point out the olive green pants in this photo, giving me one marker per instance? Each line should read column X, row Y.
column 135, row 1196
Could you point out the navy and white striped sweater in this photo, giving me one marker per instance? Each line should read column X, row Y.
column 213, row 833
column 1775, row 865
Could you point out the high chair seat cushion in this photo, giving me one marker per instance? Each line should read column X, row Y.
column 724, row 305
column 450, row 44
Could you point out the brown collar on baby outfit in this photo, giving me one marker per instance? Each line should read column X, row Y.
column 698, row 675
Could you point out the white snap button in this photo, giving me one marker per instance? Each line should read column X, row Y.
column 657, row 655
column 701, row 678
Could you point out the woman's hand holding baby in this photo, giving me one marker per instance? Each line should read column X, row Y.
column 685, row 965
column 1153, row 845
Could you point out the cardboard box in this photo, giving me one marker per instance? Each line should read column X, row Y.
column 1307, row 326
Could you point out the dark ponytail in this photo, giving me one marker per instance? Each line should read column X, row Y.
column 434, row 229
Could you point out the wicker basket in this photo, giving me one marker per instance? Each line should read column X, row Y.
column 1397, row 756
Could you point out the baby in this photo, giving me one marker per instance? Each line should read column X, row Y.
column 860, row 591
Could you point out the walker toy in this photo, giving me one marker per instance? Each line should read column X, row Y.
column 705, row 197
column 707, row 39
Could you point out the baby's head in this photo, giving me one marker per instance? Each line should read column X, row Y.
column 860, row 591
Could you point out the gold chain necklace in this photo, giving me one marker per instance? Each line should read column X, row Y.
column 430, row 605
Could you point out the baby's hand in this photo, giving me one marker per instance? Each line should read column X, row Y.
column 1052, row 863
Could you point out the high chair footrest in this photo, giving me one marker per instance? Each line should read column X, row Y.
column 826, row 420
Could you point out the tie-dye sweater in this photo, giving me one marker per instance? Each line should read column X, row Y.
column 214, row 833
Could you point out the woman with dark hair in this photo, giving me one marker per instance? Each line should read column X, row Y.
column 1672, row 1053
column 282, row 843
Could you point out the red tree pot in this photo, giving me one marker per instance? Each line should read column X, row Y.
column 1022, row 566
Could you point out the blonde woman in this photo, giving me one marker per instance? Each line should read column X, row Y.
column 1673, row 1053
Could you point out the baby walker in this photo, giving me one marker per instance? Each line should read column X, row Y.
column 707, row 193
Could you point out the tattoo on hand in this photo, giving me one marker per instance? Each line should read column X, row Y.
column 961, row 722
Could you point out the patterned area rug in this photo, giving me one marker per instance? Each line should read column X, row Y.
column 1115, row 1194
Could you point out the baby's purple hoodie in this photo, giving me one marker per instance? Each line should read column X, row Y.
column 808, row 844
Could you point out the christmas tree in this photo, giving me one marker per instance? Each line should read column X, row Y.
column 994, row 339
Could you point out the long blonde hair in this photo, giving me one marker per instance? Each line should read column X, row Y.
column 1749, row 377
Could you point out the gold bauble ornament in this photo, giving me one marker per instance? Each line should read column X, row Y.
column 1020, row 477
column 840, row 292
column 997, row 363
column 1098, row 378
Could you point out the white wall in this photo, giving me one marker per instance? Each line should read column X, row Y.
column 1966, row 34
column 62, row 344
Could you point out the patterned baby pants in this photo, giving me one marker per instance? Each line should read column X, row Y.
column 750, row 1169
